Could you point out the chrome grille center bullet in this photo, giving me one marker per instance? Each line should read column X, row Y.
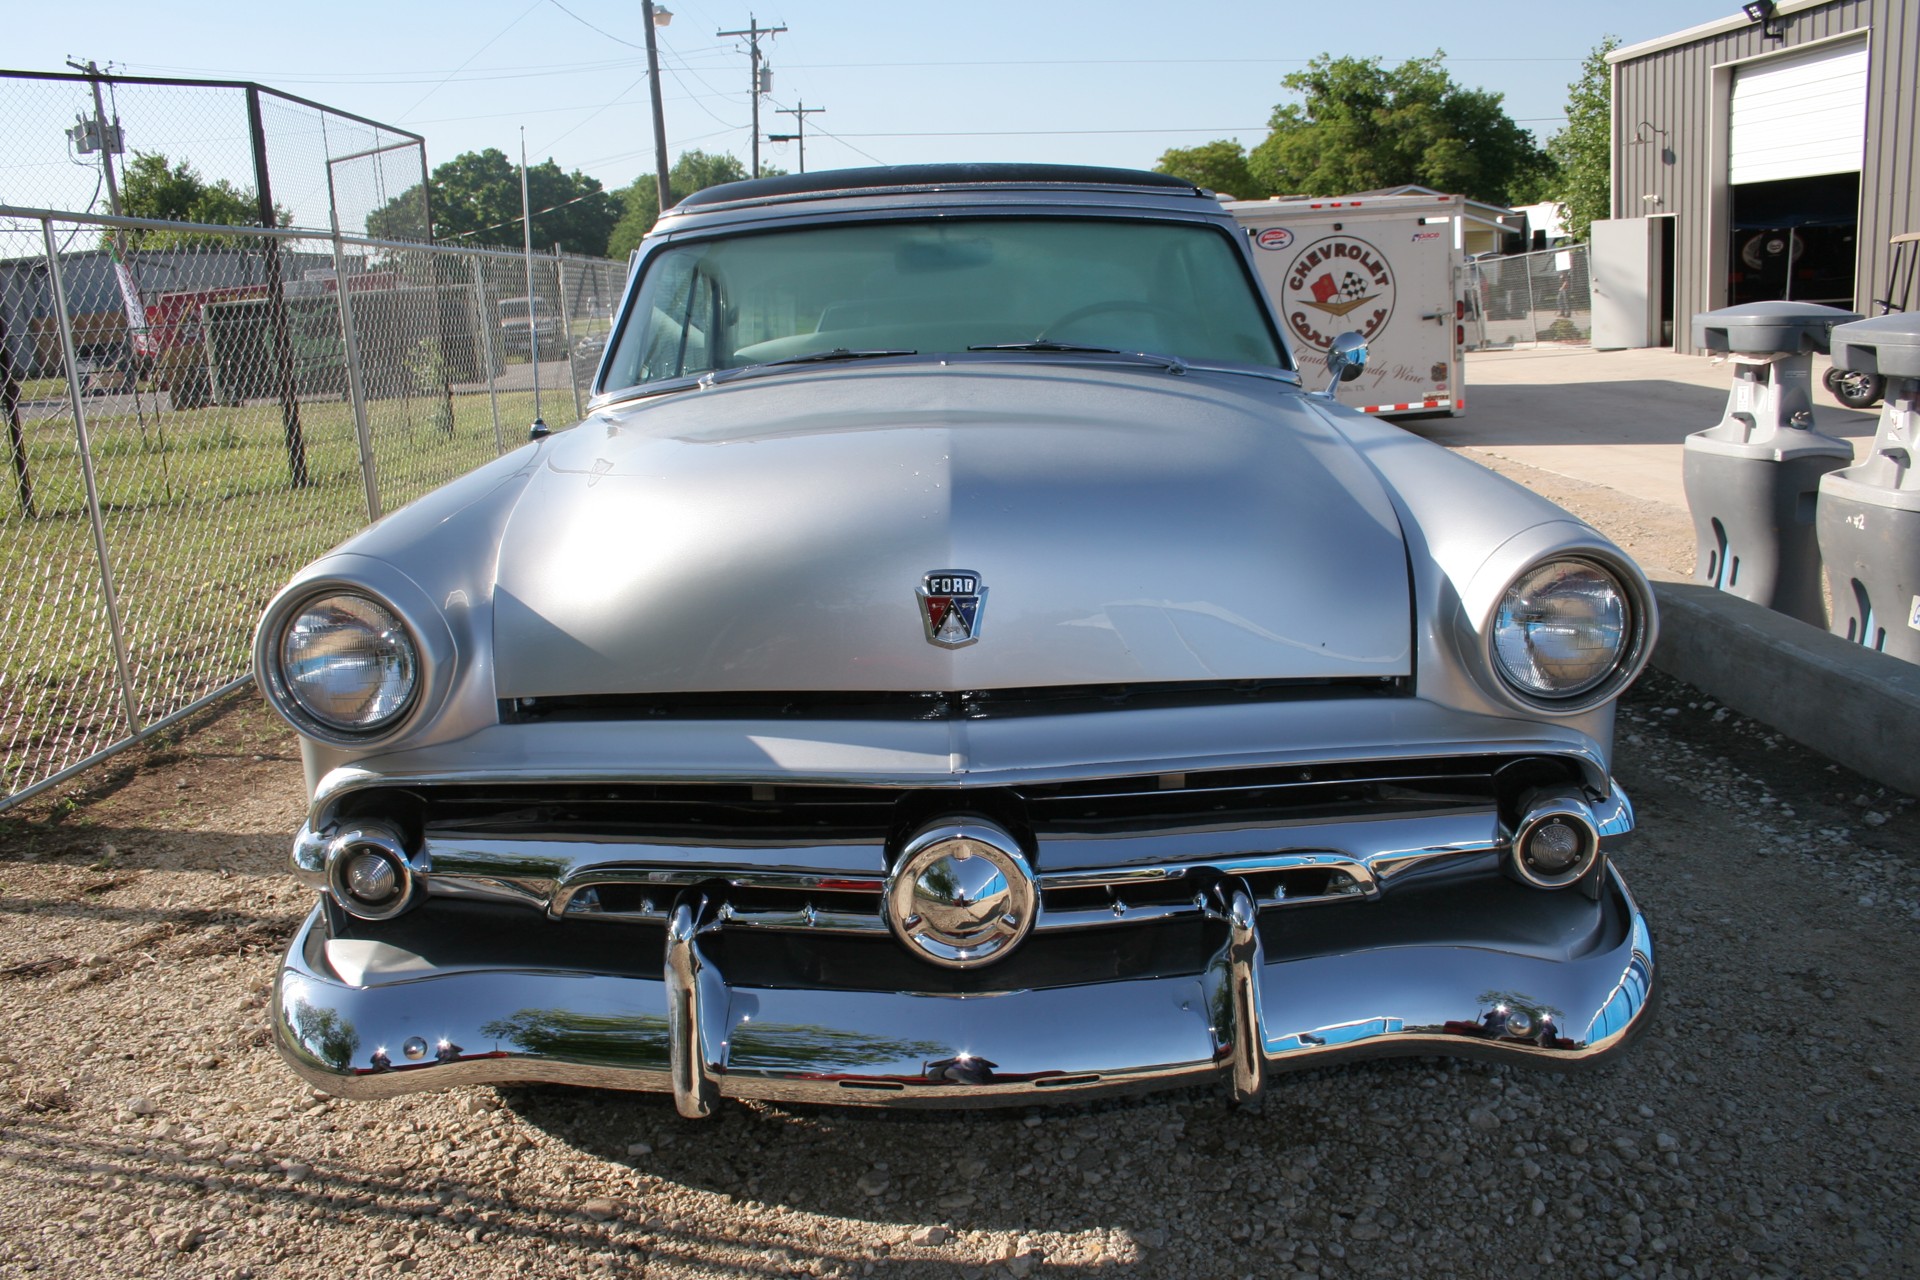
column 961, row 894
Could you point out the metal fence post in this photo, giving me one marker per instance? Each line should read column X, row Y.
column 277, row 301
column 566, row 330
column 108, row 596
column 16, row 435
column 356, row 387
column 484, row 336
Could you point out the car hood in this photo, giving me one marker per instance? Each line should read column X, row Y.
column 1127, row 526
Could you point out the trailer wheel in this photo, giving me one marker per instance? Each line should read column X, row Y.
column 1855, row 390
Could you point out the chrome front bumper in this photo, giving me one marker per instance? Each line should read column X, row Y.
column 402, row 1024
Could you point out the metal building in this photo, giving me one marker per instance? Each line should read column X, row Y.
column 1766, row 155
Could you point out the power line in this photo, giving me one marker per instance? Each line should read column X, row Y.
column 589, row 26
column 411, row 75
column 1120, row 62
column 596, row 113
column 548, row 111
column 514, row 222
column 1053, row 133
column 681, row 143
column 476, row 53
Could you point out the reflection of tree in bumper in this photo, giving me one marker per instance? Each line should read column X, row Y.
column 325, row 1034
column 637, row 1040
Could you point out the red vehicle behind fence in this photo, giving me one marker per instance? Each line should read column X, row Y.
column 174, row 347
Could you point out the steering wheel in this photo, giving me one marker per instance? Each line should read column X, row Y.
column 1140, row 306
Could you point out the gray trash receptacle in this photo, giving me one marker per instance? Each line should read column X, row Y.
column 1753, row 480
column 1870, row 514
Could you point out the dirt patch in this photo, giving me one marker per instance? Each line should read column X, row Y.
column 1658, row 536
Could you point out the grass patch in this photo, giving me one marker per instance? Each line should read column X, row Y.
column 203, row 524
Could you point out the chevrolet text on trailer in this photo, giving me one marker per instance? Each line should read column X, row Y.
column 1385, row 266
column 957, row 662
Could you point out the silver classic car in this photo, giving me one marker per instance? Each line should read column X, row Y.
column 957, row 662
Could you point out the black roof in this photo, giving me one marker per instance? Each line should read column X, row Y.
column 826, row 181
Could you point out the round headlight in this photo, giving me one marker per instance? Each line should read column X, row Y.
column 348, row 663
column 1562, row 628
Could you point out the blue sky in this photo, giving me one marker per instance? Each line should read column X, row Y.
column 1112, row 83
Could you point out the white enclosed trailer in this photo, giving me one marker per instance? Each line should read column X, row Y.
column 1387, row 266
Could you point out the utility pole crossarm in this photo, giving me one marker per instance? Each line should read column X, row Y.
column 753, row 32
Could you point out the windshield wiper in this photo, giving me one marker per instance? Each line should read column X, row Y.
column 1047, row 344
column 838, row 353
column 717, row 376
column 1172, row 364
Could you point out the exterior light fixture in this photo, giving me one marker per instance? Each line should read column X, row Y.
column 662, row 16
column 1761, row 14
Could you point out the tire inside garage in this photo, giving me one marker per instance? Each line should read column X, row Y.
column 1795, row 239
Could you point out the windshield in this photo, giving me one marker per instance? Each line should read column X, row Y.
column 1171, row 288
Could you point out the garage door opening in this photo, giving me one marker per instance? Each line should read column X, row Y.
column 1796, row 133
column 1794, row 239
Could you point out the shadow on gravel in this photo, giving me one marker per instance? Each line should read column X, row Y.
column 70, row 1164
column 1023, row 1170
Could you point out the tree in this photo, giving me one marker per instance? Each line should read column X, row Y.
column 1218, row 166
column 1362, row 126
column 1582, row 149
column 476, row 201
column 150, row 187
column 693, row 171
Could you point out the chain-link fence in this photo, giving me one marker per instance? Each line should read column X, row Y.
column 192, row 412
column 89, row 142
column 1528, row 298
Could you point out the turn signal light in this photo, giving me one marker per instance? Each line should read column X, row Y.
column 1556, row 843
column 369, row 873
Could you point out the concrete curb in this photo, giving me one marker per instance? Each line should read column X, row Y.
column 1849, row 703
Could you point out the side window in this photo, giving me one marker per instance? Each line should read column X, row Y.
column 680, row 330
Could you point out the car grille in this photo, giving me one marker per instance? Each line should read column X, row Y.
column 813, row 858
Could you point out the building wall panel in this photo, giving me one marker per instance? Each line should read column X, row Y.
column 1670, row 144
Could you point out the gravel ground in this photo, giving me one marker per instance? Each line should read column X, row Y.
column 1766, row 1126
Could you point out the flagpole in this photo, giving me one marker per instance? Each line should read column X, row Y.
column 533, row 310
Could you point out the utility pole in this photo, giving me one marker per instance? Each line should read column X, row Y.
column 762, row 80
column 800, row 114
column 108, row 136
column 657, row 17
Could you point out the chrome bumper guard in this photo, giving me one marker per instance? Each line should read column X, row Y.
column 366, row 1020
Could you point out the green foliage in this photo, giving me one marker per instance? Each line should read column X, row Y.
column 1585, row 185
column 1219, row 166
column 476, row 201
column 150, row 187
column 693, row 171
column 1362, row 126
column 1539, row 181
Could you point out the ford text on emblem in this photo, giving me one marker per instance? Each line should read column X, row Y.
column 951, row 601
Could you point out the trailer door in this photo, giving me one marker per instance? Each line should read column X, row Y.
column 1388, row 274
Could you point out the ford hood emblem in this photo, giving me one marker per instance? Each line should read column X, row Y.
column 951, row 601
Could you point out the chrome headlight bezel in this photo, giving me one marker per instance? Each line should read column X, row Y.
column 1629, row 658
column 384, row 627
column 425, row 630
